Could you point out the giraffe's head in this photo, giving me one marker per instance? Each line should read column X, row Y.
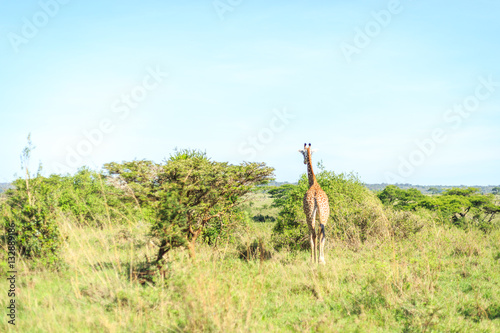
column 305, row 152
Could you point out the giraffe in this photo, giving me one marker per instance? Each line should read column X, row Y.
column 315, row 201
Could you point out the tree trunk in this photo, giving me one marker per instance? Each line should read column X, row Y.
column 192, row 253
column 191, row 244
column 163, row 249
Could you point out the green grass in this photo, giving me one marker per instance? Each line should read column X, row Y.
column 442, row 280
column 260, row 203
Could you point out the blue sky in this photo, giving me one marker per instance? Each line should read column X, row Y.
column 396, row 91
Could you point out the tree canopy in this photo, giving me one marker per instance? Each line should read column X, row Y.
column 188, row 190
column 461, row 206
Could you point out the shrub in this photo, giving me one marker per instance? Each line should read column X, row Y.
column 254, row 250
column 90, row 198
column 221, row 229
column 263, row 218
column 404, row 223
column 87, row 196
column 28, row 217
column 355, row 213
column 33, row 221
column 35, row 205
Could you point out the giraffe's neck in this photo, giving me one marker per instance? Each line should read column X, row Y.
column 310, row 172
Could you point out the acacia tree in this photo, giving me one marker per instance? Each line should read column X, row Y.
column 434, row 190
column 137, row 179
column 456, row 205
column 195, row 190
column 399, row 198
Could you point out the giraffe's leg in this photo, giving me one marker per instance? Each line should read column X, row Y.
column 310, row 224
column 323, row 218
column 322, row 244
column 314, row 237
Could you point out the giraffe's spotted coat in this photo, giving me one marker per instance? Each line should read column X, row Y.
column 315, row 203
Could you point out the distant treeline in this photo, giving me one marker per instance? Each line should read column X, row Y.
column 435, row 189
column 425, row 189
column 4, row 187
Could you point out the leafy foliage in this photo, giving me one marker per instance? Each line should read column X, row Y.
column 222, row 229
column 137, row 180
column 401, row 199
column 195, row 191
column 263, row 218
column 90, row 198
column 462, row 207
column 434, row 190
column 33, row 221
column 30, row 218
column 356, row 214
column 34, row 204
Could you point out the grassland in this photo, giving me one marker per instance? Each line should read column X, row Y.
column 440, row 279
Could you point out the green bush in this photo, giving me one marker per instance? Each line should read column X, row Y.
column 404, row 223
column 221, row 230
column 355, row 213
column 263, row 218
column 33, row 221
column 35, row 206
column 92, row 199
column 87, row 196
column 462, row 208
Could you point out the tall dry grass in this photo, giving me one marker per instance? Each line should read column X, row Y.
column 440, row 279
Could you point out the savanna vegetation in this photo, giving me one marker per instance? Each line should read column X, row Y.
column 195, row 245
